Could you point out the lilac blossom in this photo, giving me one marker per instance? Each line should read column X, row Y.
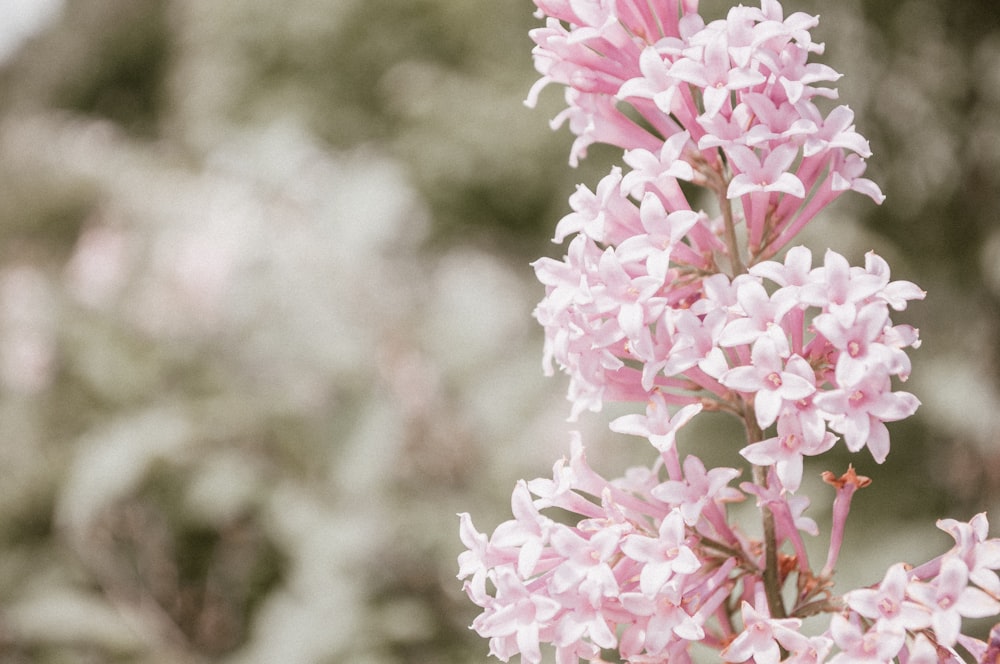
column 678, row 311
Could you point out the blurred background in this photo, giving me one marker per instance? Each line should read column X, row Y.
column 265, row 312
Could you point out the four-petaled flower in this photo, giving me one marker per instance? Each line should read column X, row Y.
column 771, row 380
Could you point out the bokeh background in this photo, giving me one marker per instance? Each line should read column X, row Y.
column 265, row 312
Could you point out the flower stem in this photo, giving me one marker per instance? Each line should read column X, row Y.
column 732, row 243
column 772, row 577
column 717, row 181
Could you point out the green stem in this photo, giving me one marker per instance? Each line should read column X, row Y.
column 732, row 243
column 772, row 577
column 729, row 552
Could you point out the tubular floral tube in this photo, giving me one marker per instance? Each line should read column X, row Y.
column 681, row 311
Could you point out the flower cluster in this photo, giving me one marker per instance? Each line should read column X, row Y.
column 662, row 302
column 652, row 566
column 818, row 350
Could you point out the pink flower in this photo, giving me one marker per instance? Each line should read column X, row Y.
column 597, row 215
column 836, row 131
column 771, row 380
column 950, row 598
column 769, row 175
column 660, row 169
column 663, row 232
column 980, row 553
column 698, row 489
column 812, row 650
column 858, row 343
column 762, row 637
column 665, row 620
column 585, row 570
column 860, row 411
column 528, row 533
column 847, row 170
column 889, row 603
column 657, row 424
column 713, row 73
column 475, row 560
column 662, row 556
column 513, row 623
column 584, row 622
column 838, row 289
column 786, row 452
column 877, row 645
column 922, row 651
column 655, row 83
